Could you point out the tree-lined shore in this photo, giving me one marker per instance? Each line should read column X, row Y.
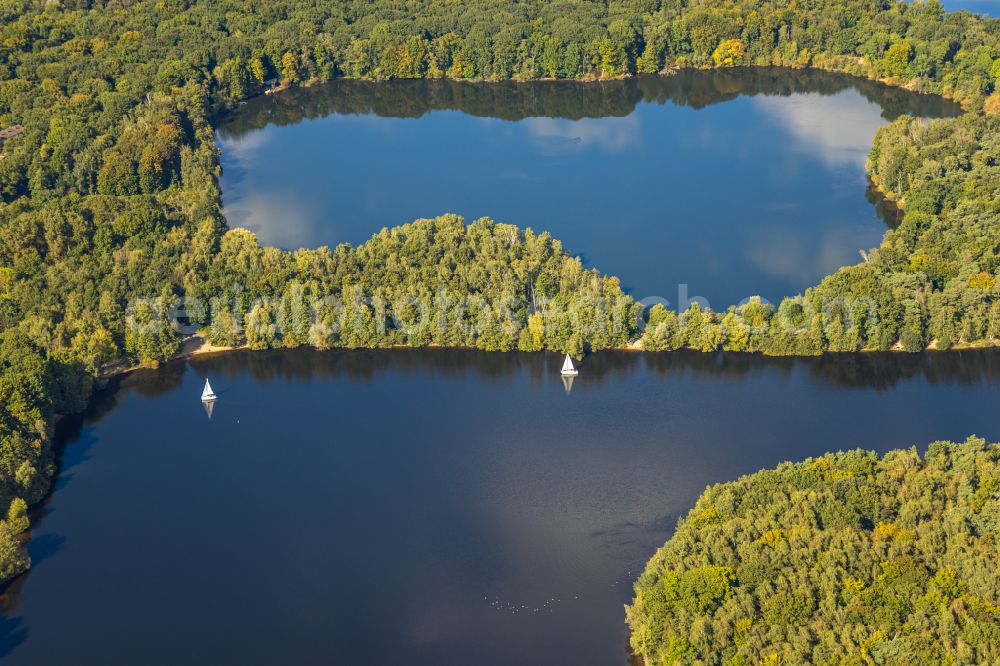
column 844, row 559
column 110, row 221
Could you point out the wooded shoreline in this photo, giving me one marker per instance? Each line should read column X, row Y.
column 111, row 207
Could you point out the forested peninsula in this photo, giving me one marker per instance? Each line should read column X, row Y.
column 114, row 246
column 844, row 559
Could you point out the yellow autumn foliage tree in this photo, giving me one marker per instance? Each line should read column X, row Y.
column 991, row 106
column 729, row 53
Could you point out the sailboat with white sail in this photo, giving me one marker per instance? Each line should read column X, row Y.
column 568, row 369
column 207, row 395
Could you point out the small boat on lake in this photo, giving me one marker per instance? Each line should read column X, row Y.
column 568, row 369
column 207, row 395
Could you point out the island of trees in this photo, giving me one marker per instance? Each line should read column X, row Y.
column 844, row 559
column 110, row 221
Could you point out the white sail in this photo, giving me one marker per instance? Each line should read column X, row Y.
column 568, row 368
column 208, row 393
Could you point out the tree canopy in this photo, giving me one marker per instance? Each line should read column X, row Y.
column 844, row 559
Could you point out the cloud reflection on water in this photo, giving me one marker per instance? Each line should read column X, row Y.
column 836, row 128
column 792, row 256
column 558, row 136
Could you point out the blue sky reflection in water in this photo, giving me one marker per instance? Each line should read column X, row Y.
column 735, row 183
column 417, row 506
column 988, row 7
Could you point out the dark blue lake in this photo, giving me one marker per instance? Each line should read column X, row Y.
column 423, row 507
column 733, row 183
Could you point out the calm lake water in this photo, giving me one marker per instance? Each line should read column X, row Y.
column 424, row 507
column 734, row 183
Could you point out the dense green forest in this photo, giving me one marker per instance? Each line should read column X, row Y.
column 844, row 559
column 433, row 282
column 110, row 222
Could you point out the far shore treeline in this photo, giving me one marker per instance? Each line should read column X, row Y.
column 564, row 98
column 110, row 213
